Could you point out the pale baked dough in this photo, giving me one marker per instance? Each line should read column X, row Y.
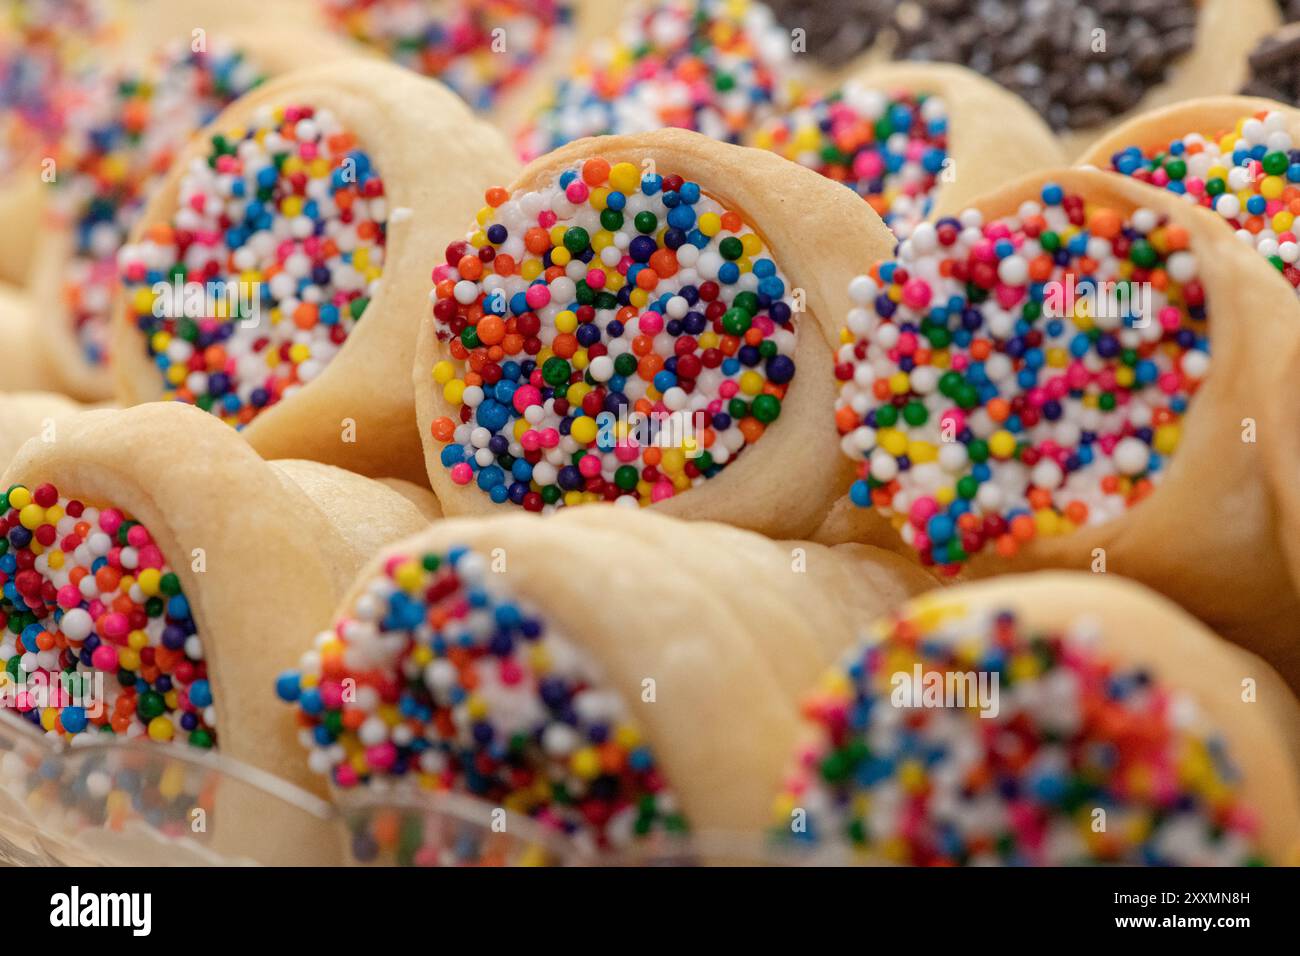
column 1208, row 536
column 436, row 161
column 820, row 235
column 280, row 541
column 272, row 48
column 23, row 366
column 21, row 202
column 25, row 415
column 719, row 618
column 1142, row 629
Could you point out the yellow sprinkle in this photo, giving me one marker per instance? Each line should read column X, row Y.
column 892, row 441
column 172, row 781
column 751, row 383
column 408, row 576
column 31, row 517
column 1002, row 444
column 583, row 430
column 1047, row 521
column 444, row 372
column 586, row 763
column 922, row 452
column 1167, row 438
column 624, row 177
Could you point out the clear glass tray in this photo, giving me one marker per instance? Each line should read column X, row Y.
column 117, row 803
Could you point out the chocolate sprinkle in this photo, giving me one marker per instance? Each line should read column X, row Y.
column 1044, row 50
column 1275, row 67
column 835, row 30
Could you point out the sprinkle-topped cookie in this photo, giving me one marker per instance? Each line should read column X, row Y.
column 1249, row 175
column 479, row 48
column 602, row 300
column 96, row 635
column 47, row 47
column 1068, row 758
column 891, row 148
column 120, row 142
column 1021, row 377
column 440, row 677
column 711, row 66
column 273, row 253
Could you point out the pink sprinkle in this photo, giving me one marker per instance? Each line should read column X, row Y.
column 537, row 295
column 651, row 323
column 577, row 192
column 331, row 694
column 661, row 491
column 526, row 396
column 110, row 519
column 1008, row 295
column 596, row 278
column 104, row 658
column 589, row 466
column 68, row 596
column 462, row 473
column 868, row 165
column 922, row 510
column 115, row 626
column 511, row 672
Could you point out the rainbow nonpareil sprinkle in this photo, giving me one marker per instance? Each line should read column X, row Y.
column 274, row 251
column 604, row 297
column 96, row 634
column 1021, row 377
column 712, row 66
column 120, row 143
column 1073, row 759
column 1249, row 175
column 439, row 677
column 482, row 49
column 889, row 147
